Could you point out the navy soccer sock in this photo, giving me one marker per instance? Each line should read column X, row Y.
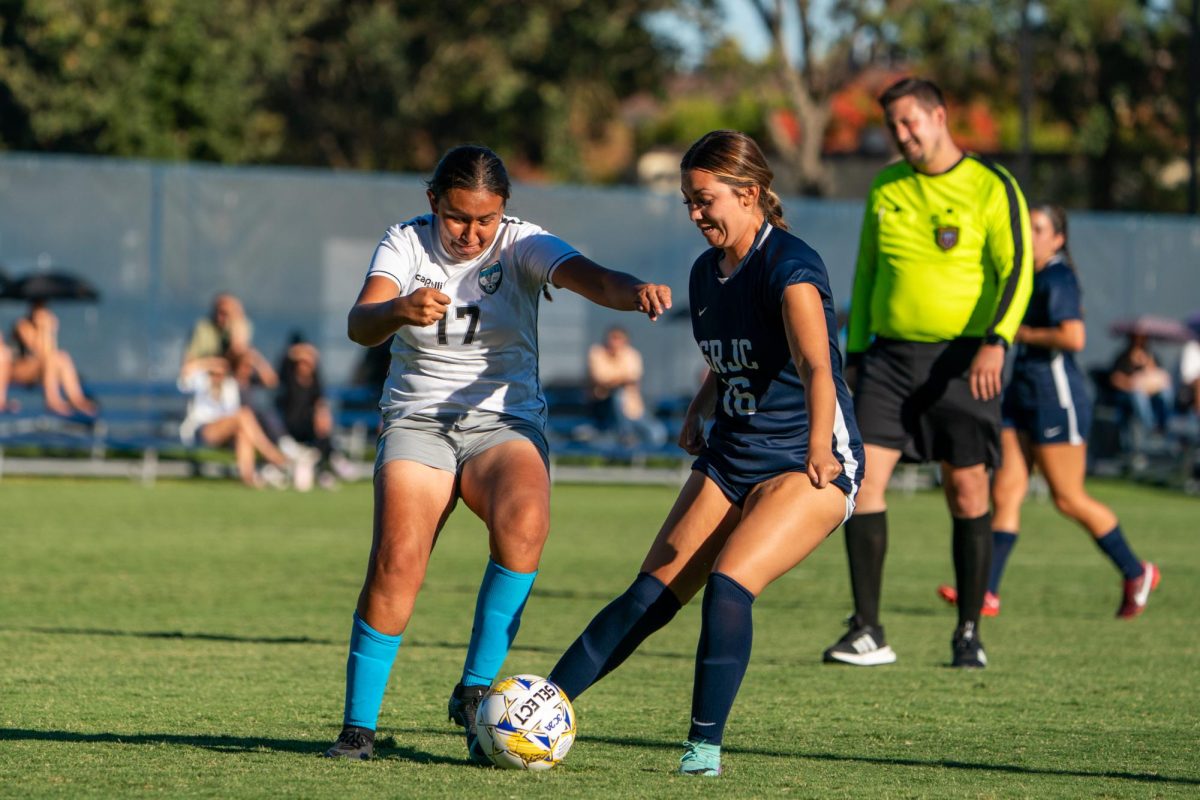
column 502, row 596
column 1002, row 545
column 726, row 633
column 614, row 634
column 866, row 546
column 972, row 549
column 1117, row 549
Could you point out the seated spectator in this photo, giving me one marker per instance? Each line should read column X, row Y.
column 5, row 374
column 614, row 375
column 1142, row 383
column 216, row 417
column 304, row 410
column 38, row 360
column 1189, row 377
column 227, row 332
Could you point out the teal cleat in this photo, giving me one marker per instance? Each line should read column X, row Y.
column 700, row 758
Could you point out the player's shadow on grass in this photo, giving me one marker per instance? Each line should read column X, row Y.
column 387, row 748
column 206, row 637
column 1139, row 777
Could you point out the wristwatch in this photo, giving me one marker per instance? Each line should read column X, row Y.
column 995, row 338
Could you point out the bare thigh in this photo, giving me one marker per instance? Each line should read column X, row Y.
column 412, row 502
column 691, row 537
column 1010, row 481
column 507, row 487
column 784, row 519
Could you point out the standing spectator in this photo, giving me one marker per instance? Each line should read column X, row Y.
column 941, row 283
column 781, row 463
column 38, row 359
column 1047, row 413
column 614, row 375
column 456, row 290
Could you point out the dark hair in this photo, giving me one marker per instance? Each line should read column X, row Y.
column 1058, row 221
column 925, row 91
column 735, row 159
column 470, row 166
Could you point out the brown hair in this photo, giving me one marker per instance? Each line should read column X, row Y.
column 925, row 91
column 1058, row 221
column 735, row 159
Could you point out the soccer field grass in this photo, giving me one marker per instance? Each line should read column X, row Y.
column 189, row 640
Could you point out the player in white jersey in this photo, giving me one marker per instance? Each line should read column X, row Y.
column 463, row 416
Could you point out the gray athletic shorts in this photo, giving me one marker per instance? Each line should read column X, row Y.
column 448, row 442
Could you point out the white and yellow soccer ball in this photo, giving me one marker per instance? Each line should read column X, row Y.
column 525, row 722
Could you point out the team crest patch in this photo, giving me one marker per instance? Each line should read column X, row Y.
column 947, row 236
column 490, row 278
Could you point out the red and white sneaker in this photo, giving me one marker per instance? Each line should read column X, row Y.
column 1137, row 591
column 991, row 602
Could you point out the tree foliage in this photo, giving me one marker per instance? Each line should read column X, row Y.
column 353, row 83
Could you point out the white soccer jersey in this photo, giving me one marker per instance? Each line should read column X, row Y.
column 483, row 353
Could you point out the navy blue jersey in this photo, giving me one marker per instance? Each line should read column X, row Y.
column 1047, row 395
column 760, row 427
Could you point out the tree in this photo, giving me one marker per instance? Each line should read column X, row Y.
column 825, row 55
column 1109, row 72
column 151, row 78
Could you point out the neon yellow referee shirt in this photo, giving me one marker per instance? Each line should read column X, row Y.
column 941, row 256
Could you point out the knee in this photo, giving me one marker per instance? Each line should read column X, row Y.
column 967, row 493
column 521, row 529
column 1067, row 504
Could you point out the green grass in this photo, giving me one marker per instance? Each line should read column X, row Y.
column 188, row 640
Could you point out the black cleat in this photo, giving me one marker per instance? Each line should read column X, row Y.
column 464, row 702
column 354, row 743
column 863, row 646
column 968, row 650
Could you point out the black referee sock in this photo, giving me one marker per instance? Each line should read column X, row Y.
column 866, row 545
column 972, row 548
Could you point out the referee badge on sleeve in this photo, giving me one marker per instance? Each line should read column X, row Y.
column 947, row 236
column 490, row 277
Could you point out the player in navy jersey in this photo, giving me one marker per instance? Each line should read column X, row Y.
column 1047, row 414
column 456, row 292
column 782, row 462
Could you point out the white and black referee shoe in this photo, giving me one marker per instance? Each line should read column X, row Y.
column 862, row 646
column 967, row 649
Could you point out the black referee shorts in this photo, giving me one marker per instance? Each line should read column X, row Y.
column 915, row 397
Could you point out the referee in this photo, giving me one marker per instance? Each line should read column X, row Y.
column 943, row 276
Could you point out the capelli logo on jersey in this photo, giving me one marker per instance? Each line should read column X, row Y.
column 490, row 278
column 430, row 282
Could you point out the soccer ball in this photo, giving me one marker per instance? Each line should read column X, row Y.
column 525, row 722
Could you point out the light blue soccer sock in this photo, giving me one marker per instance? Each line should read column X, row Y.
column 502, row 596
column 367, row 670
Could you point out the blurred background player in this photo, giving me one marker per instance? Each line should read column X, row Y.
column 941, row 283
column 464, row 416
column 1047, row 414
column 782, row 462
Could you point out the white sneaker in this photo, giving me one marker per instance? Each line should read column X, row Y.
column 303, row 474
column 273, row 476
